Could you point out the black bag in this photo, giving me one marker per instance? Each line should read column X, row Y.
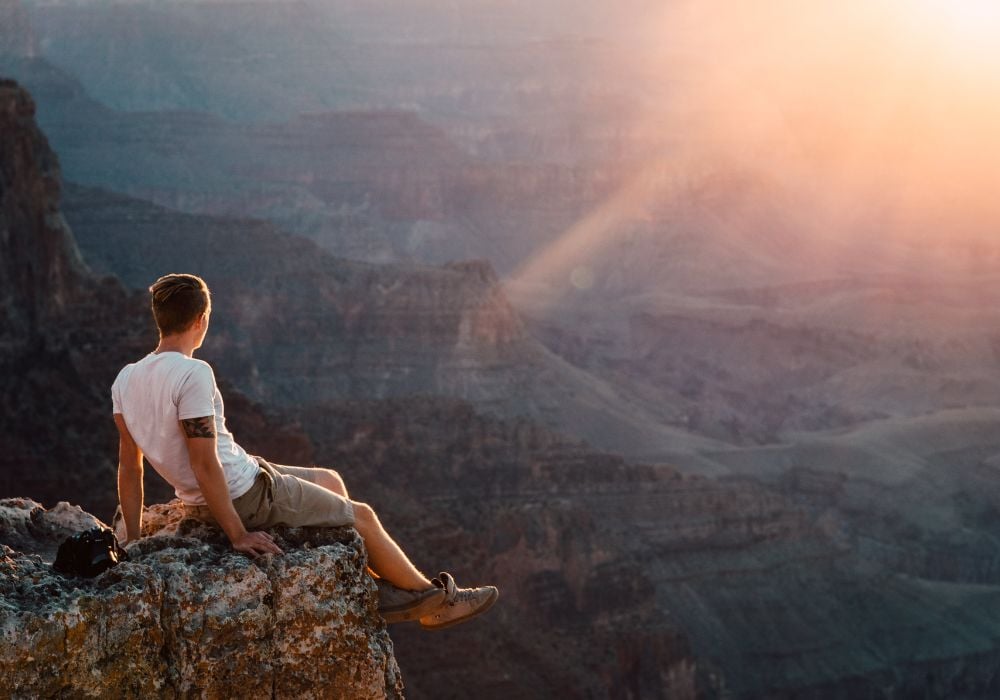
column 89, row 553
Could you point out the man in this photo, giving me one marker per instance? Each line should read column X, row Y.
column 168, row 408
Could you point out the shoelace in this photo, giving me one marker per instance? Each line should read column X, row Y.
column 455, row 594
column 462, row 595
column 446, row 582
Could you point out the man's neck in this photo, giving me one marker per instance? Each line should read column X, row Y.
column 176, row 343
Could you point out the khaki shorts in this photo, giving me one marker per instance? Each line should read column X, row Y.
column 284, row 495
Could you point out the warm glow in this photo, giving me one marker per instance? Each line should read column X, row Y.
column 970, row 29
column 875, row 114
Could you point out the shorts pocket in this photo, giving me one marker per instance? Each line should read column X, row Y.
column 254, row 506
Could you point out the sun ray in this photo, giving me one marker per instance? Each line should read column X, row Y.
column 566, row 260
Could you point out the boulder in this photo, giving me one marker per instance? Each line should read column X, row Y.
column 187, row 616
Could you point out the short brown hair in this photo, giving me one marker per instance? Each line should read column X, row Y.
column 178, row 301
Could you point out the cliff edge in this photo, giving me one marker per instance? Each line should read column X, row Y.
column 187, row 616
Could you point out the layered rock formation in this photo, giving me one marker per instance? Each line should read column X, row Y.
column 308, row 327
column 380, row 185
column 42, row 269
column 707, row 310
column 540, row 99
column 186, row 616
column 64, row 331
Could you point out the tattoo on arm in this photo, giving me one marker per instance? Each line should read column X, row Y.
column 203, row 427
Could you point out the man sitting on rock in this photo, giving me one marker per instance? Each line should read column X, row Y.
column 168, row 408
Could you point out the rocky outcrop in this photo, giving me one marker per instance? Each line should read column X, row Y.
column 186, row 616
column 64, row 332
column 41, row 268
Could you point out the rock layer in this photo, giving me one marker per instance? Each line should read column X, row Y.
column 186, row 616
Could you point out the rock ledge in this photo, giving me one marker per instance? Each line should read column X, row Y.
column 187, row 616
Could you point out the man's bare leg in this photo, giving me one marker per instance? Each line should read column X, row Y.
column 454, row 605
column 385, row 556
column 329, row 479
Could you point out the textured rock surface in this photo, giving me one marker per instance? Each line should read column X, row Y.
column 186, row 616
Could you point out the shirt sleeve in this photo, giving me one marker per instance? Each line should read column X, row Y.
column 196, row 397
column 116, row 399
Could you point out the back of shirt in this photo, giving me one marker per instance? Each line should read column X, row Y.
column 160, row 390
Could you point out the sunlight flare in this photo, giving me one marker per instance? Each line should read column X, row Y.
column 969, row 28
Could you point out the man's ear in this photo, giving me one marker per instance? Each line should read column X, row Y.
column 196, row 324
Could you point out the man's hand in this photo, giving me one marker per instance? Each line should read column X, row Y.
column 256, row 544
column 202, row 450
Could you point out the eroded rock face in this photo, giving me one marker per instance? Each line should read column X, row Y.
column 187, row 616
column 64, row 332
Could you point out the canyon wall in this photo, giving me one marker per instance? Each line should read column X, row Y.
column 64, row 333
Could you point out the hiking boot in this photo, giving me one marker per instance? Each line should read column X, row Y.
column 399, row 605
column 460, row 604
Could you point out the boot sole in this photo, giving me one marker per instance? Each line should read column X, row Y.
column 457, row 621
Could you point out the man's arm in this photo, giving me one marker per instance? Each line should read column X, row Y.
column 201, row 444
column 129, row 480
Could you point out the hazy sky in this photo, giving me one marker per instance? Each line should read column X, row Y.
column 901, row 97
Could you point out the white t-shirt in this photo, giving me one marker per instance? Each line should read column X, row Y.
column 155, row 393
